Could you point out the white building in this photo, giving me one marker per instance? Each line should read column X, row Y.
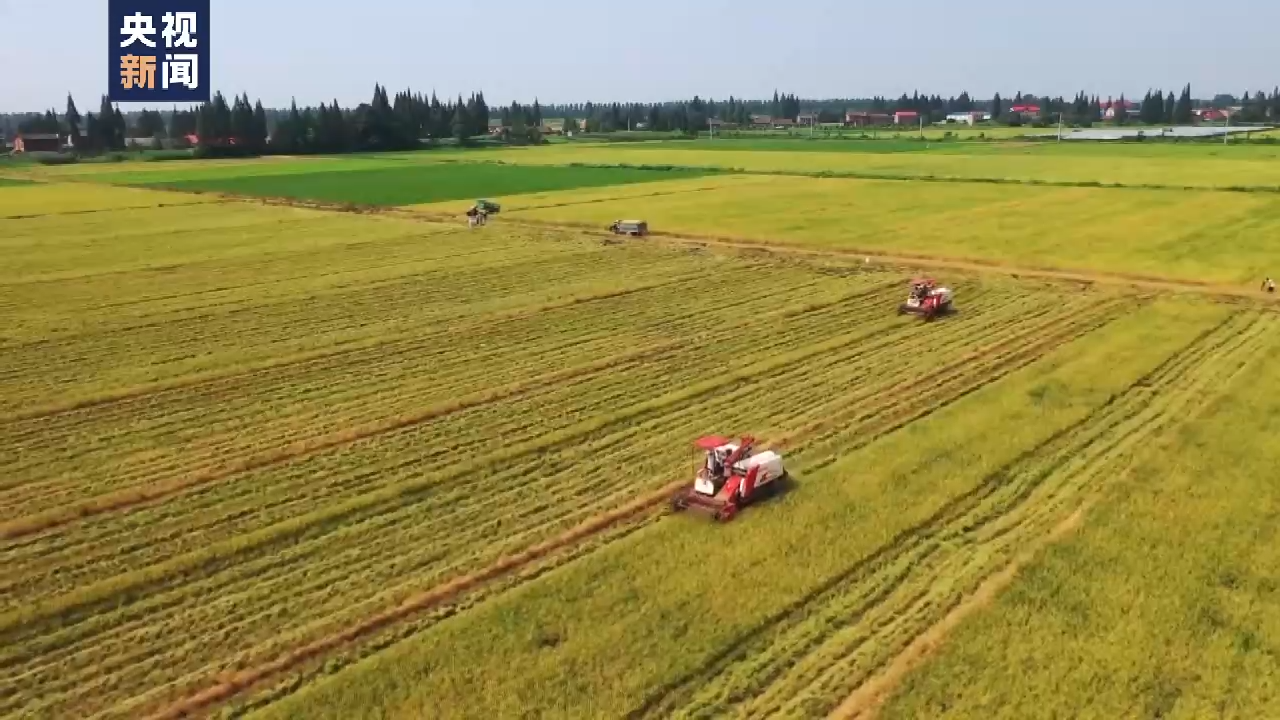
column 968, row 118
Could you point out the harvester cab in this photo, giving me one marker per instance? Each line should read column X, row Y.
column 731, row 476
column 926, row 299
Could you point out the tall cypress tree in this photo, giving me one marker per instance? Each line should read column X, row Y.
column 1182, row 110
column 72, row 119
column 460, row 122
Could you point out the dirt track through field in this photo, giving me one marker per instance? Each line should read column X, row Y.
column 867, row 699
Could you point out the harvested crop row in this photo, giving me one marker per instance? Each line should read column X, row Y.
column 34, row 374
column 356, row 529
column 451, row 432
column 809, row 659
column 416, row 372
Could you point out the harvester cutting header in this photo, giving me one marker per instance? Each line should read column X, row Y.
column 731, row 477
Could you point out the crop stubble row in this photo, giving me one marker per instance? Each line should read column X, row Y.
column 807, row 660
column 404, row 449
column 608, row 463
column 312, row 397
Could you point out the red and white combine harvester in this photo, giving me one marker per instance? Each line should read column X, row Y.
column 731, row 477
column 926, row 299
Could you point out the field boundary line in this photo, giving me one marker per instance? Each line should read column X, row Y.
column 866, row 701
column 153, row 206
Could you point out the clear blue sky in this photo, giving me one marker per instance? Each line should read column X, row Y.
column 575, row 50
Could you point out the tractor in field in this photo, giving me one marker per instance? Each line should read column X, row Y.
column 731, row 477
column 479, row 213
column 634, row 228
column 926, row 299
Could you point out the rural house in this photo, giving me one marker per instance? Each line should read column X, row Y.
column 1110, row 108
column 1028, row 112
column 906, row 117
column 969, row 118
column 1211, row 114
column 37, row 142
column 761, row 121
column 866, row 119
column 807, row 119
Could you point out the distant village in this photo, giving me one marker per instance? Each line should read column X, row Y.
column 25, row 142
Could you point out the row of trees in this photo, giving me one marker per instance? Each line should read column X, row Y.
column 243, row 127
column 380, row 124
column 1157, row 108
column 386, row 123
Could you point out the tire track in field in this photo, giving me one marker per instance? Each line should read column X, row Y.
column 867, row 699
column 1081, row 468
column 222, row 691
column 805, row 651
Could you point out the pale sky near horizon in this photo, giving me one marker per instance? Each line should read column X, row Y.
column 577, row 50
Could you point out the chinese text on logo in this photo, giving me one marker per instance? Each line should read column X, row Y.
column 158, row 50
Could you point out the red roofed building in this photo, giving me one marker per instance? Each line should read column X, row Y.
column 906, row 117
column 1026, row 111
column 1212, row 114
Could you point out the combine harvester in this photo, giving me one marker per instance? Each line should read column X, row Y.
column 926, row 299
column 731, row 478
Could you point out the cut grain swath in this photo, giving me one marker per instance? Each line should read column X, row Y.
column 436, row 596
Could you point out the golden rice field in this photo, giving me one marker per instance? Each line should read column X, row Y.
column 273, row 461
column 1210, row 237
column 1161, row 166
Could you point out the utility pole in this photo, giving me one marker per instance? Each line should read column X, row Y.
column 1060, row 114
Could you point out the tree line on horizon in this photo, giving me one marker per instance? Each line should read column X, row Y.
column 403, row 122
